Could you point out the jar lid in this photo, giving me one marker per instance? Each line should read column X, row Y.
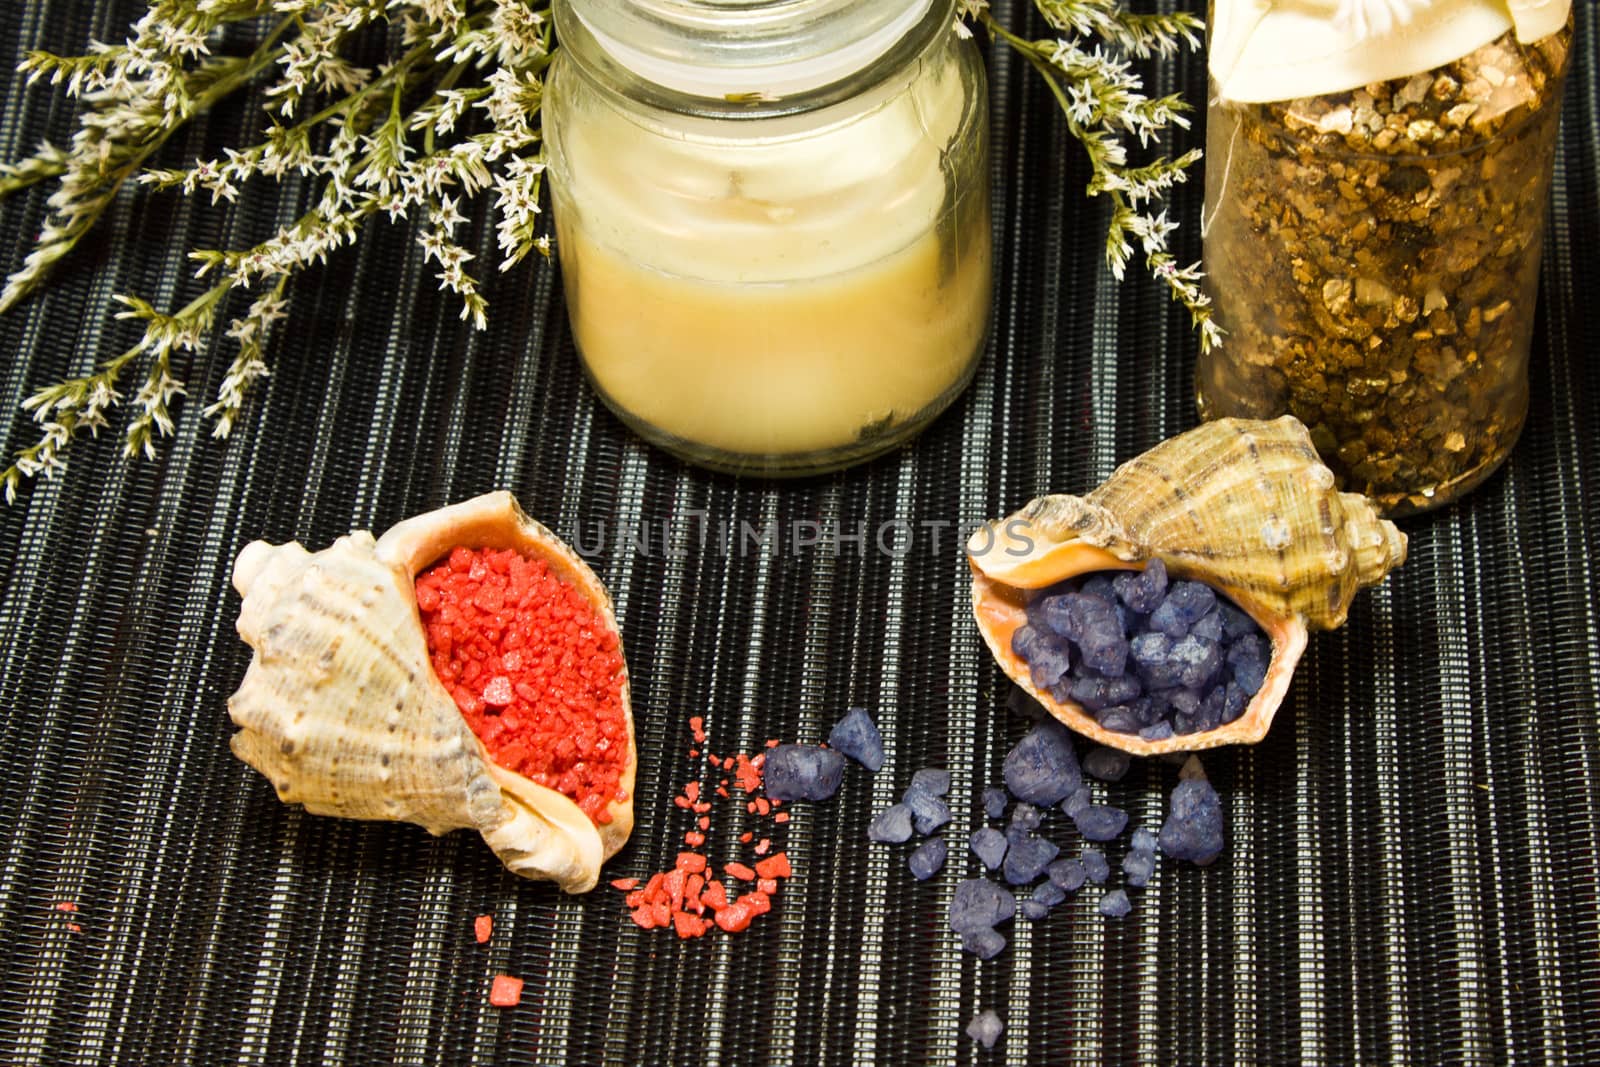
column 1264, row 50
column 747, row 49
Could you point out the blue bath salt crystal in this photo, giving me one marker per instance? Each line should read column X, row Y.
column 1100, row 822
column 1027, row 859
column 928, row 812
column 802, row 772
column 1094, row 861
column 1209, row 627
column 1138, row 866
column 1099, row 585
column 1235, row 623
column 928, row 857
column 1248, row 658
column 1079, row 801
column 935, row 780
column 1158, row 732
column 1142, row 590
column 1152, row 657
column 980, row 904
column 1021, row 702
column 1097, row 693
column 891, row 826
column 1043, row 768
column 994, row 802
column 1049, row 894
column 1069, row 874
column 857, row 736
column 1234, row 701
column 1032, row 910
column 1054, row 614
column 985, row 1028
column 984, row 942
column 989, row 845
column 1105, row 763
column 1120, row 719
column 1026, row 817
column 1198, row 661
column 1102, row 644
column 1193, row 830
column 1186, row 603
column 1115, row 904
column 1143, row 840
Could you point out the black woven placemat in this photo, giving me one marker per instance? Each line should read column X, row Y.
column 1411, row 868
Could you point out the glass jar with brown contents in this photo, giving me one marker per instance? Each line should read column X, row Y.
column 1374, row 256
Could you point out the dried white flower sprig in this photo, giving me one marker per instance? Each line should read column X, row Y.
column 451, row 116
column 1104, row 102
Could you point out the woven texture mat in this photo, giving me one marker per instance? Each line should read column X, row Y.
column 1410, row 874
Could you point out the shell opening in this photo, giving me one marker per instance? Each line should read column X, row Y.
column 1149, row 681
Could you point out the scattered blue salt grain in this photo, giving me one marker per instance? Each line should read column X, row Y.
column 802, row 772
column 980, row 904
column 857, row 736
column 994, row 801
column 1026, row 817
column 928, row 812
column 1115, row 904
column 989, row 845
column 1094, row 862
column 1143, row 840
column 935, row 780
column 891, row 826
column 1078, row 802
column 928, row 857
column 1158, row 732
column 1106, row 764
column 984, row 942
column 1027, row 859
column 1043, row 768
column 1049, row 894
column 1032, row 910
column 1193, row 830
column 985, row 1028
column 1069, row 874
column 1100, row 822
column 1138, row 866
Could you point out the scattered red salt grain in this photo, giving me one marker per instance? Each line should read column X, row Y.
column 773, row 743
column 506, row 991
column 690, row 861
column 740, row 871
column 75, row 928
column 782, row 816
column 762, row 846
column 775, row 866
column 483, row 928
column 769, row 886
column 555, row 717
column 66, row 905
column 704, row 822
column 694, row 838
column 698, row 725
column 624, row 883
column 747, row 837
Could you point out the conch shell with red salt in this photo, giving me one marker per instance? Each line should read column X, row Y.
column 342, row 712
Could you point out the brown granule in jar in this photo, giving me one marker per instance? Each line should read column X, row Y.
column 1374, row 255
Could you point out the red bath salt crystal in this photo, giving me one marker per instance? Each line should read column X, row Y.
column 692, row 791
column 762, row 846
column 740, row 871
column 66, row 905
column 775, row 866
column 694, row 838
column 483, row 928
column 506, row 991
column 782, row 816
column 697, row 725
column 747, row 775
column 624, row 883
column 769, row 886
column 534, row 669
column 704, row 822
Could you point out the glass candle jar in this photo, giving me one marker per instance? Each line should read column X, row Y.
column 1374, row 257
column 772, row 220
